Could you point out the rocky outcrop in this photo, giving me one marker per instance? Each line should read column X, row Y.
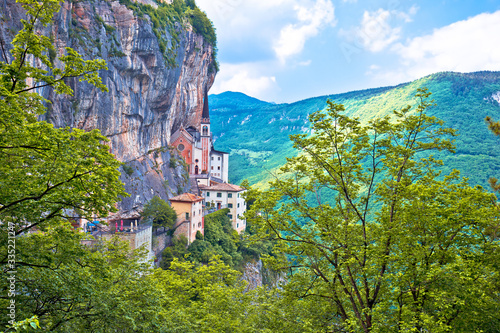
column 146, row 101
column 258, row 275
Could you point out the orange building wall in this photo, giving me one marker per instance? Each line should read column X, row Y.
column 184, row 227
column 187, row 153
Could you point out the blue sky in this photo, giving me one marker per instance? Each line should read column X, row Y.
column 289, row 50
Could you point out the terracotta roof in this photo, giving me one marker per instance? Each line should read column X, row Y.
column 224, row 187
column 187, row 197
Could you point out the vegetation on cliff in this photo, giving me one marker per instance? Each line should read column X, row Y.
column 220, row 240
column 171, row 17
column 49, row 175
column 160, row 212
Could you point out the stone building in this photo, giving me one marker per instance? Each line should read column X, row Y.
column 229, row 196
column 209, row 173
column 189, row 209
column 195, row 145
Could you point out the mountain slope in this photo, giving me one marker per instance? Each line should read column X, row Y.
column 257, row 134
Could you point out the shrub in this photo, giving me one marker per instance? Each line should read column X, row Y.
column 128, row 169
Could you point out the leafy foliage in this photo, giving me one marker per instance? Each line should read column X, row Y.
column 177, row 250
column 48, row 173
column 220, row 240
column 160, row 212
column 395, row 247
column 206, row 298
column 71, row 287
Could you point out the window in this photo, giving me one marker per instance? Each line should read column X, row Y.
column 230, row 216
column 229, row 205
column 219, row 195
column 238, row 205
column 194, row 213
column 219, row 158
column 205, row 130
column 199, row 224
column 194, row 225
column 237, row 225
column 187, row 216
column 229, row 195
column 180, row 147
column 196, row 161
column 208, row 194
column 212, row 158
column 218, row 168
column 212, row 168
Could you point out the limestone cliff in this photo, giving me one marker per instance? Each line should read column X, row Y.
column 147, row 98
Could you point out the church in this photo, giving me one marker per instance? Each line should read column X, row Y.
column 208, row 171
column 205, row 164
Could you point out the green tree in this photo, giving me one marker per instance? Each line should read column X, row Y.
column 160, row 212
column 398, row 247
column 494, row 127
column 206, row 298
column 220, row 239
column 177, row 250
column 73, row 288
column 48, row 173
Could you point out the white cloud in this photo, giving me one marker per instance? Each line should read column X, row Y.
column 311, row 19
column 243, row 14
column 464, row 46
column 375, row 32
column 242, row 78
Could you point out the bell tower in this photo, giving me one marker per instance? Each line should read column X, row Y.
column 206, row 135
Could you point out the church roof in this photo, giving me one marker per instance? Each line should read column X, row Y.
column 187, row 197
column 179, row 132
column 206, row 113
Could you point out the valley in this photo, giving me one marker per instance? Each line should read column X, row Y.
column 256, row 133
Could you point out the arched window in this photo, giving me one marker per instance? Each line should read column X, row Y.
column 205, row 130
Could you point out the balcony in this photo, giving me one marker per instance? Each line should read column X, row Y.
column 210, row 210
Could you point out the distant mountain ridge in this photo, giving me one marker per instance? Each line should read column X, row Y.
column 256, row 133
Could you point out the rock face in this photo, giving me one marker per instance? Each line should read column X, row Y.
column 257, row 275
column 146, row 101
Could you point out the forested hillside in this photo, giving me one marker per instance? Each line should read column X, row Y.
column 256, row 133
